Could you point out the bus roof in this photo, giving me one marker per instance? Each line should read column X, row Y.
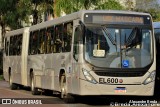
column 16, row 32
column 70, row 17
column 78, row 15
column 113, row 11
column 156, row 24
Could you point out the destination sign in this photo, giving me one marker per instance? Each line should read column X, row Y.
column 123, row 19
column 117, row 19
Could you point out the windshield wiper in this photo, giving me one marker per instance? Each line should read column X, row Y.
column 131, row 37
column 109, row 36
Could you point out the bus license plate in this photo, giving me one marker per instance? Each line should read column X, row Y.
column 120, row 90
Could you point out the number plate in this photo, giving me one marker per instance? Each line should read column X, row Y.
column 120, row 90
column 110, row 80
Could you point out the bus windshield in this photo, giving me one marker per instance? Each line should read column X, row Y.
column 157, row 34
column 117, row 47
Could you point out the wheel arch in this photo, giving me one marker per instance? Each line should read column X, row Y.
column 30, row 72
column 9, row 73
column 62, row 72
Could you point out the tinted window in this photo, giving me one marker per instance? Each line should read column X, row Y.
column 58, row 37
column 67, row 37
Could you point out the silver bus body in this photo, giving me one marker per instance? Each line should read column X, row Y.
column 81, row 76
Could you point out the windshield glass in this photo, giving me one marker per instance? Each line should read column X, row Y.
column 111, row 47
column 157, row 34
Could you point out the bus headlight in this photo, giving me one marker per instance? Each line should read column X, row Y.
column 88, row 76
column 150, row 78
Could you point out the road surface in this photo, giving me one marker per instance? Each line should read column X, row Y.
column 54, row 101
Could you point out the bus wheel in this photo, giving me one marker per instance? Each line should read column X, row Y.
column 64, row 95
column 48, row 92
column 33, row 89
column 12, row 85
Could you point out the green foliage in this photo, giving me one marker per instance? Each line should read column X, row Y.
column 110, row 4
column 154, row 13
column 1, row 77
column 13, row 12
column 129, row 4
column 69, row 6
column 39, row 7
column 66, row 6
column 149, row 6
column 87, row 4
column 146, row 4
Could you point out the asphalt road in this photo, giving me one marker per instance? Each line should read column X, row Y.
column 25, row 96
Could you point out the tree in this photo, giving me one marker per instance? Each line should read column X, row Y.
column 155, row 14
column 129, row 4
column 39, row 7
column 3, row 8
column 145, row 4
column 69, row 6
column 12, row 13
column 20, row 14
column 149, row 6
column 66, row 6
column 110, row 4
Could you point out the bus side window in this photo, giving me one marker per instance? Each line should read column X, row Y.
column 15, row 40
column 15, row 49
column 49, row 40
column 42, row 41
column 58, row 37
column 34, row 43
column 30, row 43
column 77, row 38
column 10, row 46
column 6, row 46
column 19, row 44
column 53, row 49
column 67, row 36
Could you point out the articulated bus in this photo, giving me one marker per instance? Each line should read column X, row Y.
column 90, row 52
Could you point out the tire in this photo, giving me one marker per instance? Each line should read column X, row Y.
column 68, row 98
column 12, row 85
column 20, row 86
column 48, row 92
column 34, row 90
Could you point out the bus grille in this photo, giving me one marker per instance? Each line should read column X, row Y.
column 121, row 74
